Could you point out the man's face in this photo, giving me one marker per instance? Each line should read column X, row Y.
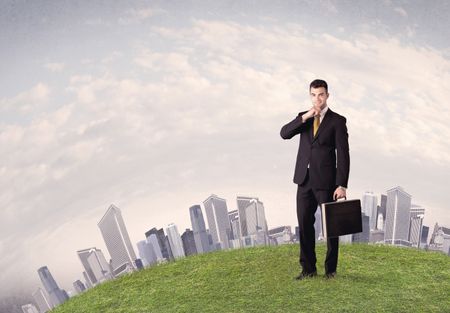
column 319, row 97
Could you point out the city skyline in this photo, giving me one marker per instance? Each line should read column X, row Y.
column 101, row 271
column 155, row 105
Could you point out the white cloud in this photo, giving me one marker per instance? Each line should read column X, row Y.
column 204, row 117
column 133, row 16
column 54, row 66
column 26, row 101
column 401, row 11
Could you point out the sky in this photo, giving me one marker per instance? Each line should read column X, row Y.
column 155, row 105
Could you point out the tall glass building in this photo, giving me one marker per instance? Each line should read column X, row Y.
column 416, row 223
column 369, row 208
column 175, row 241
column 42, row 301
column 56, row 295
column 117, row 240
column 253, row 220
column 83, row 255
column 199, row 229
column 398, row 208
column 218, row 221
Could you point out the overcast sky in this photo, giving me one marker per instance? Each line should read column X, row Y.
column 154, row 106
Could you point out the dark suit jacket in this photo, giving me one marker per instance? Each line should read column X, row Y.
column 322, row 151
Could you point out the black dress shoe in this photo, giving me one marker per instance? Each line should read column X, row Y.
column 330, row 275
column 304, row 275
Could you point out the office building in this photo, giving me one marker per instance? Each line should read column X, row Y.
column 42, row 300
column 416, row 222
column 199, row 229
column 55, row 295
column 175, row 241
column 29, row 308
column 189, row 242
column 115, row 235
column 218, row 221
column 397, row 217
column 369, row 208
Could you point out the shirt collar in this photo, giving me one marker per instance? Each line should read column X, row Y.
column 322, row 113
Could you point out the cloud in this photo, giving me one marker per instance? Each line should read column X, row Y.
column 26, row 101
column 202, row 116
column 401, row 11
column 55, row 67
column 134, row 16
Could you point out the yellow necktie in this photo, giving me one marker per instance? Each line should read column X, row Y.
column 316, row 123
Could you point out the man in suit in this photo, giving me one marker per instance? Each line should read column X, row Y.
column 321, row 172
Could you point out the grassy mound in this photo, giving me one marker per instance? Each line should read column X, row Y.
column 370, row 278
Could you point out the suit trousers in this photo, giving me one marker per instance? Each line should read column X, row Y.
column 308, row 199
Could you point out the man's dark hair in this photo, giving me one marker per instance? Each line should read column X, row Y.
column 317, row 83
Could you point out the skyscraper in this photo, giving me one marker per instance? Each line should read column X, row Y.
column 42, row 300
column 234, row 223
column 251, row 211
column 281, row 235
column 29, row 308
column 242, row 204
column 79, row 286
column 365, row 234
column 416, row 223
column 117, row 240
column 83, row 255
column 146, row 252
column 56, row 295
column 163, row 242
column 153, row 240
column 369, row 208
column 218, row 222
column 424, row 236
column 99, row 265
column 175, row 241
column 235, row 236
column 88, row 282
column 397, row 217
column 199, row 229
column 381, row 215
column 188, row 242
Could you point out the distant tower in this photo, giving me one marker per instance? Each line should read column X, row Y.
column 199, row 229
column 29, row 308
column 416, row 223
column 42, row 300
column 369, row 208
column 117, row 240
column 381, row 215
column 253, row 220
column 364, row 236
column 88, row 282
column 235, row 226
column 83, row 255
column 153, row 240
column 78, row 286
column 218, row 222
column 397, row 217
column 55, row 294
column 188, row 242
column 175, row 241
column 146, row 252
column 99, row 265
column 163, row 242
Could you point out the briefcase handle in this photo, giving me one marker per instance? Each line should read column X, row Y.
column 345, row 198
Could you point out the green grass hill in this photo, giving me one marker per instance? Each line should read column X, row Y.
column 371, row 278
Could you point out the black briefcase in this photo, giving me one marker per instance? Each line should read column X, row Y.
column 341, row 218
